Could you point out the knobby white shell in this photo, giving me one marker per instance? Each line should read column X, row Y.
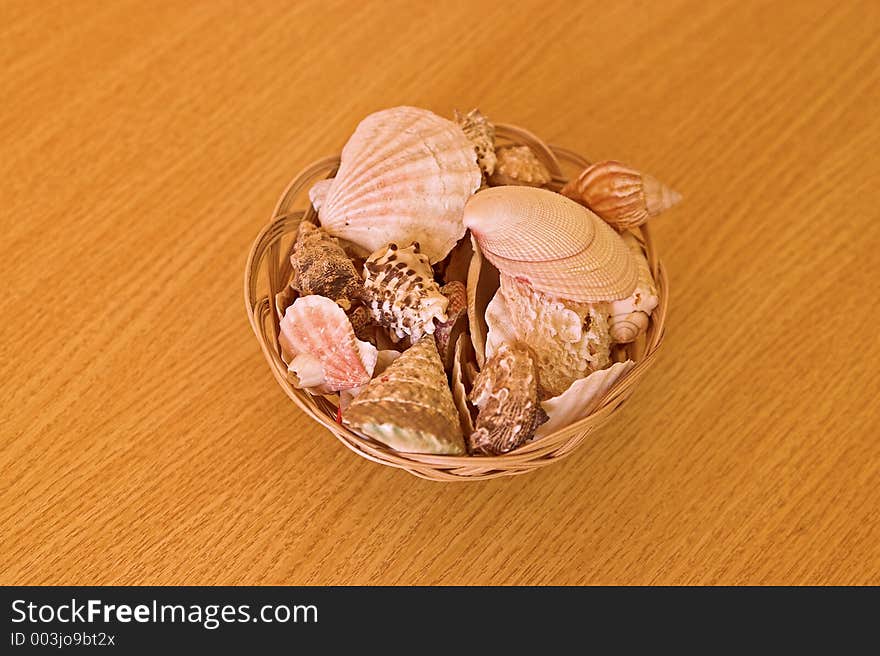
column 404, row 177
column 558, row 246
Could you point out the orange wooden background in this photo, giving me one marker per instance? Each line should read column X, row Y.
column 142, row 438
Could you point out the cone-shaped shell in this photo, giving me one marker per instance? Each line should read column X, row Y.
column 558, row 246
column 622, row 196
column 404, row 177
column 410, row 407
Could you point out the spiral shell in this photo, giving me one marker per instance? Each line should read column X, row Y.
column 404, row 177
column 402, row 295
column 506, row 393
column 446, row 333
column 558, row 246
column 628, row 318
column 622, row 196
column 409, row 407
column 518, row 165
column 482, row 135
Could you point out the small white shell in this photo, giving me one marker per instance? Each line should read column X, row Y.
column 628, row 318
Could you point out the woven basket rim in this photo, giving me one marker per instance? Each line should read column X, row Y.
column 266, row 251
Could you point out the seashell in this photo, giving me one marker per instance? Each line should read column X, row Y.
column 318, row 192
column 321, row 267
column 622, row 196
column 518, row 165
column 383, row 361
column 401, row 292
column 582, row 398
column 320, row 348
column 283, row 300
column 404, row 177
column 482, row 283
column 558, row 246
column 459, row 390
column 447, row 332
column 362, row 323
column 568, row 340
column 628, row 318
column 481, row 132
column 410, row 407
column 506, row 393
column 457, row 263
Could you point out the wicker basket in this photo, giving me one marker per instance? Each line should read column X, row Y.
column 268, row 272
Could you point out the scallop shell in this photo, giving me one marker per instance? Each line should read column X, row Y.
column 569, row 340
column 401, row 291
column 409, row 407
column 482, row 284
column 320, row 348
column 506, row 393
column 628, row 318
column 404, row 177
column 482, row 135
column 518, row 165
column 558, row 246
column 622, row 196
column 321, row 267
column 459, row 390
column 447, row 332
column 582, row 398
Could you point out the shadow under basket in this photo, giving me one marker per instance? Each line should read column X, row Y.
column 268, row 272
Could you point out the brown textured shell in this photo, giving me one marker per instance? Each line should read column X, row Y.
column 409, row 406
column 506, row 393
column 518, row 165
column 321, row 267
column 482, row 134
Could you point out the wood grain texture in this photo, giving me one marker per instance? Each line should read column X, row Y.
column 142, row 438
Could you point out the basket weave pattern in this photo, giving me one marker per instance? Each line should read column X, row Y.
column 268, row 271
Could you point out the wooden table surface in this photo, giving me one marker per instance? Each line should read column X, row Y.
column 144, row 146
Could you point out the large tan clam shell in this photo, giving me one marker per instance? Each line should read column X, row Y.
column 582, row 398
column 404, row 177
column 558, row 246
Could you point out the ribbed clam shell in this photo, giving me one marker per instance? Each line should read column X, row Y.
column 404, row 176
column 320, row 348
column 558, row 246
column 622, row 196
column 582, row 398
column 409, row 406
column 318, row 193
column 401, row 292
column 506, row 393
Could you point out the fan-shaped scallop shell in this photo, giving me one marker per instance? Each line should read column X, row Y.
column 558, row 246
column 320, row 266
column 628, row 318
column 404, row 177
column 401, row 291
column 409, row 406
column 622, row 196
column 320, row 348
column 506, row 393
column 569, row 340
